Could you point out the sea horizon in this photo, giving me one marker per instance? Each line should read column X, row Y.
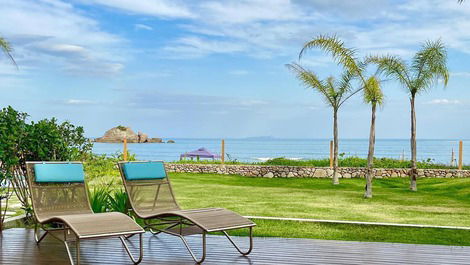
column 291, row 138
column 263, row 149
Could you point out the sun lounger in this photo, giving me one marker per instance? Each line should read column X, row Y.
column 62, row 209
column 151, row 197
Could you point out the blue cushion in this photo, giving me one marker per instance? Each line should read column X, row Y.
column 59, row 172
column 144, row 170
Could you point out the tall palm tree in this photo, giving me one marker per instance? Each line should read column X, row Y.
column 428, row 66
column 6, row 48
column 372, row 95
column 335, row 93
column 347, row 58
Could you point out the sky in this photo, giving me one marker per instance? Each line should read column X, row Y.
column 216, row 69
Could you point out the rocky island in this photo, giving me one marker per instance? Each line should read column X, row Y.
column 117, row 135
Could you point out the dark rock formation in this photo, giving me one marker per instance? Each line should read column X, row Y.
column 117, row 135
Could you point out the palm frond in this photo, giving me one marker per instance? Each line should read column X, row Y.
column 7, row 50
column 334, row 46
column 430, row 65
column 373, row 92
column 310, row 80
column 345, row 87
column 392, row 66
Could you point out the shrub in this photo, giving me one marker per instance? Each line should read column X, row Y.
column 45, row 140
column 351, row 161
column 12, row 131
column 99, row 197
column 102, row 169
column 104, row 199
column 118, row 201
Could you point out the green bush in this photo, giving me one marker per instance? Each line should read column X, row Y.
column 102, row 169
column 45, row 140
column 118, row 201
column 103, row 198
column 99, row 197
column 351, row 161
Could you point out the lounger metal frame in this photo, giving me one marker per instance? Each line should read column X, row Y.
column 181, row 221
column 67, row 231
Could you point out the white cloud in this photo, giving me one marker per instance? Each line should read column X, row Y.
column 143, row 26
column 158, row 8
column 56, row 32
column 195, row 47
column 444, row 101
column 80, row 102
column 279, row 27
column 247, row 11
column 251, row 27
column 375, row 26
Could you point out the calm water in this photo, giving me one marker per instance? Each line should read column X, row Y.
column 252, row 150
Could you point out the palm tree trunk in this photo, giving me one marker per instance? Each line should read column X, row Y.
column 335, row 147
column 414, row 172
column 370, row 156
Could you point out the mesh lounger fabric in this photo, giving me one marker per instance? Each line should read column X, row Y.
column 154, row 198
column 99, row 224
column 68, row 203
column 213, row 219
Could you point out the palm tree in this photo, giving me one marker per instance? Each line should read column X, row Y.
column 346, row 57
column 6, row 48
column 428, row 66
column 335, row 93
column 372, row 95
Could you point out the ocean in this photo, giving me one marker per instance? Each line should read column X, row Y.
column 262, row 149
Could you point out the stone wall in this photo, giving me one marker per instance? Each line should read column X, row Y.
column 309, row 172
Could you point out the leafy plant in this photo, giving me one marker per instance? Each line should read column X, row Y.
column 12, row 130
column 99, row 197
column 102, row 169
column 350, row 161
column 118, row 201
column 45, row 140
column 103, row 198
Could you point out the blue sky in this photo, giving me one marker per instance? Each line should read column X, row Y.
column 217, row 68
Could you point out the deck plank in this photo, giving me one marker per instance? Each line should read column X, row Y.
column 17, row 246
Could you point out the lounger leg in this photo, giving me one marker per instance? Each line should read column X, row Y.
column 203, row 256
column 235, row 245
column 36, row 234
column 77, row 247
column 141, row 249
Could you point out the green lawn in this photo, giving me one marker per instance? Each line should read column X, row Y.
column 438, row 202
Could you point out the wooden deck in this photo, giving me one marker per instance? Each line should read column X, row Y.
column 18, row 247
